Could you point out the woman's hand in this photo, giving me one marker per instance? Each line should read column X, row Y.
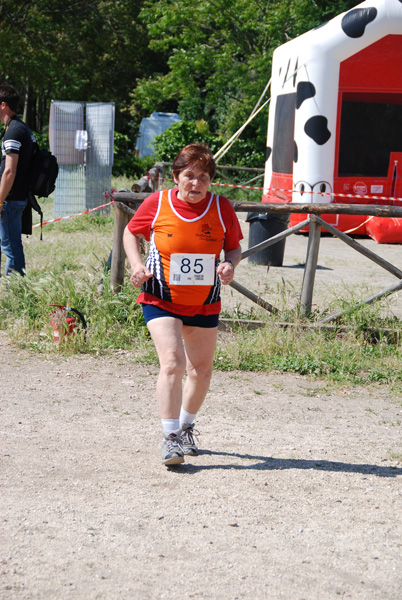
column 225, row 272
column 140, row 275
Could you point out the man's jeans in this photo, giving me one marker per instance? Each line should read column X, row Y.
column 10, row 235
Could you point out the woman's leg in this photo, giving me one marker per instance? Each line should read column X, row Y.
column 166, row 334
column 200, row 347
column 199, row 343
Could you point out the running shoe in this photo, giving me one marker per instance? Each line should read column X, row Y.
column 187, row 439
column 172, row 451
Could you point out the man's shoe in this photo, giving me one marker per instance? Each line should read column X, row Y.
column 172, row 452
column 187, row 439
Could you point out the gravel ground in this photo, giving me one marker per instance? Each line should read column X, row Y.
column 296, row 494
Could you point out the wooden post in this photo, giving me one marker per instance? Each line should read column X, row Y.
column 275, row 238
column 121, row 219
column 332, row 317
column 365, row 251
column 122, row 215
column 313, row 248
column 154, row 175
column 253, row 297
column 161, row 168
column 376, row 210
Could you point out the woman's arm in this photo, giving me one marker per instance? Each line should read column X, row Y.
column 132, row 247
column 226, row 268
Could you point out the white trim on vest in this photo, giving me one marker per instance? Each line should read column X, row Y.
column 183, row 218
column 158, row 210
column 218, row 205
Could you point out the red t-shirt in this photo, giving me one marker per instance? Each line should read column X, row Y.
column 141, row 224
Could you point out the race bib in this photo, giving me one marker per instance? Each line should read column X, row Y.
column 192, row 269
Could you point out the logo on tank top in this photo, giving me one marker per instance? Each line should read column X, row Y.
column 205, row 233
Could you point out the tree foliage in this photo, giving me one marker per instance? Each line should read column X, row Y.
column 178, row 135
column 207, row 60
column 218, row 54
column 88, row 50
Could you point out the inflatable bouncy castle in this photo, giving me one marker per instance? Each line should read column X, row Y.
column 335, row 120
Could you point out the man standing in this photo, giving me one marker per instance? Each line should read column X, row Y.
column 16, row 153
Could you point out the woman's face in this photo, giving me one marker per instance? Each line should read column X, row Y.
column 193, row 184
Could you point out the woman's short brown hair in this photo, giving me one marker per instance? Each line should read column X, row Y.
column 195, row 153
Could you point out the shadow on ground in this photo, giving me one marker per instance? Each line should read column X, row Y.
column 265, row 463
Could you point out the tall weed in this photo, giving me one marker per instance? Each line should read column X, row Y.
column 362, row 346
column 114, row 321
column 354, row 351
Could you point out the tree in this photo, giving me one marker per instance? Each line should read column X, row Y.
column 218, row 55
column 91, row 50
column 207, row 60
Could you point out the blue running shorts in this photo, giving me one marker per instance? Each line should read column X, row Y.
column 150, row 311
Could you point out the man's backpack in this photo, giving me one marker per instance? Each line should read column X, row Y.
column 42, row 182
column 43, row 173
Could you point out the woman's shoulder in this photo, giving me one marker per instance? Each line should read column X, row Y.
column 223, row 199
column 225, row 204
column 154, row 197
column 151, row 200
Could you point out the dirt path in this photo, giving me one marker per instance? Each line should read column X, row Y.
column 342, row 273
column 296, row 494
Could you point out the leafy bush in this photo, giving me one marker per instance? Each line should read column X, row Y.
column 178, row 135
column 42, row 138
column 243, row 153
column 126, row 162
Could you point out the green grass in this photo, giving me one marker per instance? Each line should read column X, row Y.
column 114, row 321
column 347, row 357
column 69, row 264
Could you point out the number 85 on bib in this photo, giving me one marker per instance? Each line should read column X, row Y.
column 192, row 269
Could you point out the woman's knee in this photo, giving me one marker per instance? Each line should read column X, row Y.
column 172, row 365
column 200, row 371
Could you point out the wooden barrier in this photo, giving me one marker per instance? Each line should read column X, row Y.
column 375, row 210
column 123, row 211
column 125, row 204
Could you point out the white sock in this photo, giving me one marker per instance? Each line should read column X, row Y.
column 170, row 425
column 186, row 417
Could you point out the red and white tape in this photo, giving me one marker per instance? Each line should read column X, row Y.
column 110, row 194
column 76, row 215
column 286, row 191
column 337, row 194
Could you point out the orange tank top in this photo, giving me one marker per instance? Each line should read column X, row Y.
column 184, row 254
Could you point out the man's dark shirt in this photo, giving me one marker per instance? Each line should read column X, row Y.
column 18, row 139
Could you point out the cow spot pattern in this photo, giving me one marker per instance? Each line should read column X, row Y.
column 305, row 90
column 317, row 129
column 354, row 23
